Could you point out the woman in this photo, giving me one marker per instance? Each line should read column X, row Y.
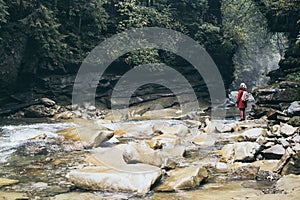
column 240, row 103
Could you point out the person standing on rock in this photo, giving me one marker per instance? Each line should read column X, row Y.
column 241, row 100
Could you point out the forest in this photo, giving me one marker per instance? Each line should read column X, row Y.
column 42, row 38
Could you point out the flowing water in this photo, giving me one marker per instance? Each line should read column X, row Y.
column 41, row 165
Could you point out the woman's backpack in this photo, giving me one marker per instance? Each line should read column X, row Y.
column 245, row 96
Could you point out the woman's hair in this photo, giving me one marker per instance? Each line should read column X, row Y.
column 243, row 86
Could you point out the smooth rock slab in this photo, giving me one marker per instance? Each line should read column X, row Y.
column 137, row 178
column 184, row 178
column 89, row 136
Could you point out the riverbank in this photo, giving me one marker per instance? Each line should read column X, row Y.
column 157, row 155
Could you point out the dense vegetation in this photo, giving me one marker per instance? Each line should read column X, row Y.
column 60, row 34
column 46, row 37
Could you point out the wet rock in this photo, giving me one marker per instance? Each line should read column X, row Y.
column 294, row 108
column 289, row 183
column 293, row 165
column 78, row 196
column 38, row 111
column 225, row 190
column 294, row 121
column 89, row 136
column 5, row 195
column 241, row 151
column 48, row 102
column 162, row 114
column 275, row 152
column 65, row 115
column 284, row 159
column 267, row 175
column 39, row 137
column 287, row 130
column 243, row 172
column 6, row 181
column 266, row 165
column 183, row 178
column 137, row 178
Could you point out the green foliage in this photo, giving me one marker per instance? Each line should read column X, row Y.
column 45, row 41
column 3, row 12
column 293, row 76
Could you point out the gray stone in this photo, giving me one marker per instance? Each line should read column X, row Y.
column 287, row 130
column 253, row 134
column 296, row 139
column 274, row 152
column 283, row 142
column 294, row 108
column 296, row 148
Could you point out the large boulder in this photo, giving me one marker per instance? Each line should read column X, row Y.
column 89, row 136
column 241, row 151
column 137, row 178
column 107, row 157
column 183, row 178
column 142, row 153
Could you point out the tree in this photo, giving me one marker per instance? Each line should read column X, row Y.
column 46, row 49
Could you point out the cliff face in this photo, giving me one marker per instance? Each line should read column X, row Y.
column 284, row 85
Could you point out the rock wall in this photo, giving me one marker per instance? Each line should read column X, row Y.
column 284, row 85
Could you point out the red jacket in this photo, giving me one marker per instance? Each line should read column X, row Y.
column 239, row 102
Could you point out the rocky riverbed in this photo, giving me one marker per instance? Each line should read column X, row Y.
column 156, row 154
